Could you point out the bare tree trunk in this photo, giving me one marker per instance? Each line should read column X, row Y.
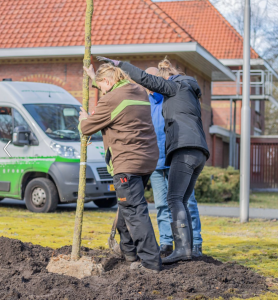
column 76, row 245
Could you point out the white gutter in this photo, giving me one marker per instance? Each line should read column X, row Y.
column 264, row 136
column 253, row 62
column 203, row 52
column 117, row 50
column 41, row 52
column 223, row 132
column 220, row 131
column 97, row 50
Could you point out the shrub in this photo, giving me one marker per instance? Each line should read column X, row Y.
column 214, row 185
column 149, row 195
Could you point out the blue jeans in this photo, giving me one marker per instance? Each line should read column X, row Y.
column 159, row 181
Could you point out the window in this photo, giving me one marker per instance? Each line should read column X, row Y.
column 256, row 159
column 257, row 106
column 9, row 119
column 257, row 131
column 6, row 124
column 257, row 90
column 58, row 121
column 19, row 121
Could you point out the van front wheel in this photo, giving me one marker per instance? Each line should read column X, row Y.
column 41, row 195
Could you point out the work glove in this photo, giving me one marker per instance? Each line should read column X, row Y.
column 108, row 60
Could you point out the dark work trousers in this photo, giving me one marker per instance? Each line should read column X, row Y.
column 186, row 166
column 134, row 224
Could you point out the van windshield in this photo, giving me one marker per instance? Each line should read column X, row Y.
column 58, row 121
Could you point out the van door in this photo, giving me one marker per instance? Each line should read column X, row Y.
column 14, row 165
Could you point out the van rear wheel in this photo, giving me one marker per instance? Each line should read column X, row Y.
column 106, row 203
column 41, row 195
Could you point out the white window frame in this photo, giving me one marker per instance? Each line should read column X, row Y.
column 258, row 106
column 257, row 131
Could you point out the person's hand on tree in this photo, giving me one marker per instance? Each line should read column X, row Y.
column 90, row 72
column 82, row 114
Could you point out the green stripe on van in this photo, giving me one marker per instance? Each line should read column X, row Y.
column 124, row 104
column 12, row 169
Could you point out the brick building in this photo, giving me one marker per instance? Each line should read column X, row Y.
column 43, row 42
column 211, row 30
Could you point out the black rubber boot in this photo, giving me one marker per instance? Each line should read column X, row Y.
column 182, row 239
column 166, row 250
column 197, row 251
column 190, row 225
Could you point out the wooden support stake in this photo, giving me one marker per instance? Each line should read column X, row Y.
column 76, row 245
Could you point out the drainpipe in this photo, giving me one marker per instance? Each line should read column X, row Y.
column 213, row 150
column 234, row 137
column 231, row 134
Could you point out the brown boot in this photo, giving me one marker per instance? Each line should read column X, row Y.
column 131, row 257
column 138, row 266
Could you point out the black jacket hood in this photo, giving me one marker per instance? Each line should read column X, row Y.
column 191, row 81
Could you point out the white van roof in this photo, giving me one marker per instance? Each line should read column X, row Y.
column 35, row 92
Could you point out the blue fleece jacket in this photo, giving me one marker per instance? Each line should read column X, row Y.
column 156, row 101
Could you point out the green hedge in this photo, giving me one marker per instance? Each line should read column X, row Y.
column 214, row 185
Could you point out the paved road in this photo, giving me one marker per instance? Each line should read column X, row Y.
column 204, row 210
column 258, row 213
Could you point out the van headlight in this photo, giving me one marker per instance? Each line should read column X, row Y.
column 64, row 151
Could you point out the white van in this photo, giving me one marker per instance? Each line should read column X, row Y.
column 42, row 164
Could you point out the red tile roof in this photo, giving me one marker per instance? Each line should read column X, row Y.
column 50, row 23
column 208, row 27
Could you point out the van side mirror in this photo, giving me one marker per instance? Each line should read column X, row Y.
column 21, row 136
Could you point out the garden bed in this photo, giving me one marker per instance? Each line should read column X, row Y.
column 23, row 275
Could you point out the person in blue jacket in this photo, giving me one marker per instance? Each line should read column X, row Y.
column 159, row 182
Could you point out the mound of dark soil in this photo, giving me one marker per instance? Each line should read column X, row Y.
column 23, row 275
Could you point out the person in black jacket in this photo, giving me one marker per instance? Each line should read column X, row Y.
column 186, row 147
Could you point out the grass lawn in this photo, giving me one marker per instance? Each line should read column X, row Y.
column 257, row 200
column 253, row 244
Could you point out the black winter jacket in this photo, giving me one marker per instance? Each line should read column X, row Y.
column 181, row 109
